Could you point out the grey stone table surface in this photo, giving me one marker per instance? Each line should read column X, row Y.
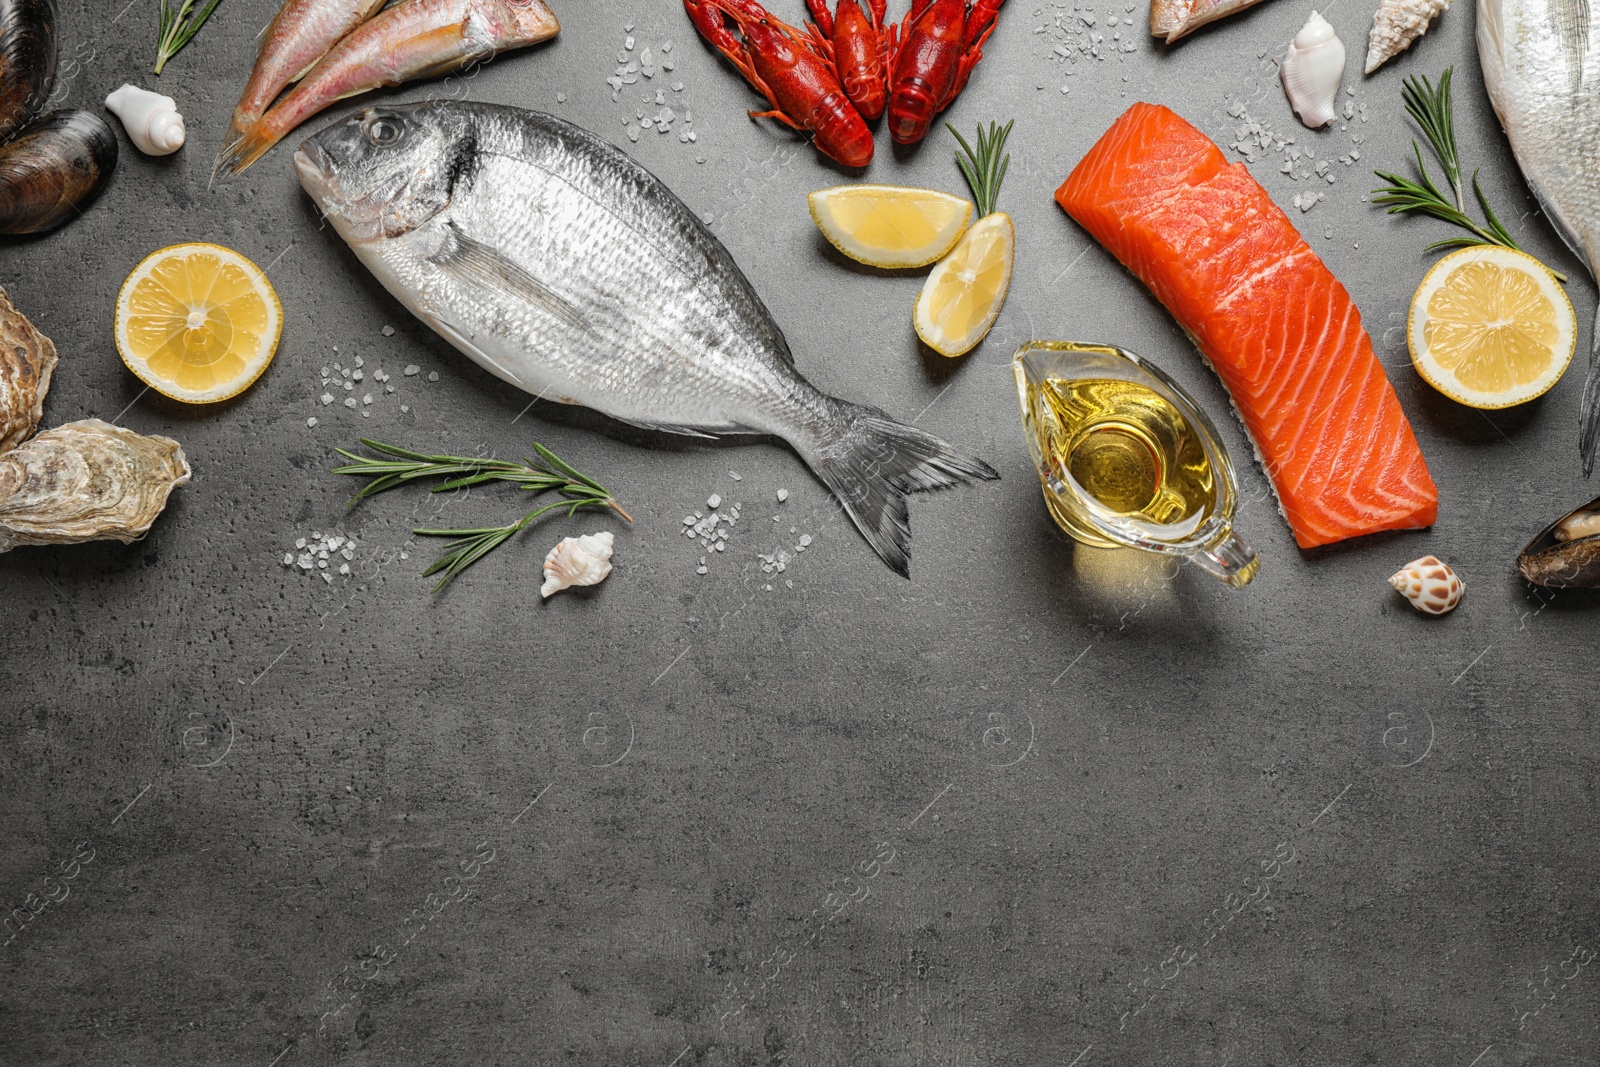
column 1035, row 805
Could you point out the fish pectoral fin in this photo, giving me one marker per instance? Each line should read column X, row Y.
column 450, row 332
column 477, row 264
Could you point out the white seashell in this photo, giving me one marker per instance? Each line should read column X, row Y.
column 152, row 120
column 1396, row 24
column 1311, row 71
column 582, row 560
column 1430, row 585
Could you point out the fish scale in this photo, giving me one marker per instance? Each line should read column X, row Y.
column 562, row 266
column 1541, row 64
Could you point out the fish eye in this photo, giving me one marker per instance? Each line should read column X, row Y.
column 384, row 132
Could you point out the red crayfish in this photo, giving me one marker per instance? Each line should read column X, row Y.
column 939, row 44
column 856, row 46
column 843, row 69
column 784, row 65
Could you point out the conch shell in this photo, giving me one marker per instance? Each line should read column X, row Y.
column 27, row 359
column 1430, row 585
column 582, row 560
column 1565, row 554
column 152, row 120
column 1396, row 24
column 86, row 481
column 1311, row 71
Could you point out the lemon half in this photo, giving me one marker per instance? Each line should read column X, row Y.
column 197, row 322
column 890, row 226
column 1490, row 327
column 963, row 294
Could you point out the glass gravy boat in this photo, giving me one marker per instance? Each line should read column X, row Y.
column 1126, row 458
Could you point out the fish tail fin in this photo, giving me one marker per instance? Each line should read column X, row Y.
column 871, row 462
column 241, row 148
column 1589, row 412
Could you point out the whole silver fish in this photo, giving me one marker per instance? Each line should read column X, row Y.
column 1541, row 67
column 557, row 263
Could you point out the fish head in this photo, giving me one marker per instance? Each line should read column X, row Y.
column 385, row 171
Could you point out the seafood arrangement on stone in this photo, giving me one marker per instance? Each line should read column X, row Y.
column 1311, row 72
column 1429, row 584
column 839, row 73
column 27, row 359
column 1172, row 19
column 86, row 481
column 785, row 65
column 1565, row 554
column 412, row 39
column 1398, row 23
column 1268, row 315
column 584, row 560
column 1539, row 63
column 153, row 123
column 510, row 232
column 51, row 166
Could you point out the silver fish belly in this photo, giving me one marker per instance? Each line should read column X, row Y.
column 566, row 269
column 1541, row 67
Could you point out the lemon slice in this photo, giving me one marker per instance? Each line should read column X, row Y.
column 197, row 322
column 1490, row 327
column 963, row 294
column 889, row 225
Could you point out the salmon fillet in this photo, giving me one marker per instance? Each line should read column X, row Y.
column 1272, row 320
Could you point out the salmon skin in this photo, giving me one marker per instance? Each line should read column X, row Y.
column 1267, row 314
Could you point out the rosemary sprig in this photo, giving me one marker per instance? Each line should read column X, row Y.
column 1432, row 110
column 548, row 472
column 984, row 169
column 180, row 21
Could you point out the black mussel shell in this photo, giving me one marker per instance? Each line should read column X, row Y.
column 27, row 60
column 52, row 169
column 1562, row 564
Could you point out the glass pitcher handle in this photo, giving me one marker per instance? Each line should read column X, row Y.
column 1229, row 558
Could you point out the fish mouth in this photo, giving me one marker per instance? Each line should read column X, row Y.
column 314, row 167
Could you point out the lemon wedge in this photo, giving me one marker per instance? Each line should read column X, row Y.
column 1490, row 327
column 197, row 322
column 890, row 226
column 964, row 293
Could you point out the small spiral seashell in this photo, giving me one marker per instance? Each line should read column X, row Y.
column 1430, row 585
column 1396, row 24
column 582, row 560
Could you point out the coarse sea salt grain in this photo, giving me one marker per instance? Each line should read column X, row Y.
column 411, row 369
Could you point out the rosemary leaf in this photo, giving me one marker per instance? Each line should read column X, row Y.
column 984, row 169
column 178, row 25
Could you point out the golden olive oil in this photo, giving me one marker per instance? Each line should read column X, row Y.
column 1130, row 450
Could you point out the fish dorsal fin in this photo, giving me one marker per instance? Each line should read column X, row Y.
column 484, row 266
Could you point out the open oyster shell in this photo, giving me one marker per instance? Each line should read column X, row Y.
column 1565, row 554
column 86, row 481
column 27, row 359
